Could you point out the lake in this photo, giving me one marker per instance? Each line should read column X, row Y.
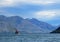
column 30, row 38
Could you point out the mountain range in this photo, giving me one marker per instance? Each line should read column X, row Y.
column 10, row 24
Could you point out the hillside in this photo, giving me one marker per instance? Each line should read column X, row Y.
column 10, row 24
column 56, row 31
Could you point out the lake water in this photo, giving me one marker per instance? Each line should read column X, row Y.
column 30, row 38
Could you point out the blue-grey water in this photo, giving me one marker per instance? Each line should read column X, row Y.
column 30, row 38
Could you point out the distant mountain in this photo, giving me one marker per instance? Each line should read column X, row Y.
column 10, row 24
column 56, row 30
column 45, row 26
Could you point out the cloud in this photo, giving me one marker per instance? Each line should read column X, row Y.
column 15, row 2
column 38, row 1
column 6, row 2
column 47, row 15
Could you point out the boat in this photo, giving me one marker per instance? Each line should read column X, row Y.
column 16, row 32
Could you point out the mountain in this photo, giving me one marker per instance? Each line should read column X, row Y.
column 45, row 26
column 10, row 24
column 56, row 30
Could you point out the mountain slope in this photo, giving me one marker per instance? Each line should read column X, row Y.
column 29, row 27
column 45, row 26
column 10, row 24
column 56, row 30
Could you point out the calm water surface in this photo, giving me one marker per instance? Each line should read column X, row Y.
column 30, row 38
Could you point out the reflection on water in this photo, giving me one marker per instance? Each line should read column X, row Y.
column 31, row 38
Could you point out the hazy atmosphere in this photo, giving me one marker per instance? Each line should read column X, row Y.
column 43, row 10
column 29, row 20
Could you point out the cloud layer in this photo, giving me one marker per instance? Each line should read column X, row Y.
column 14, row 2
column 45, row 10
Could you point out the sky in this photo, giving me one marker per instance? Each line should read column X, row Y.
column 43, row 10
